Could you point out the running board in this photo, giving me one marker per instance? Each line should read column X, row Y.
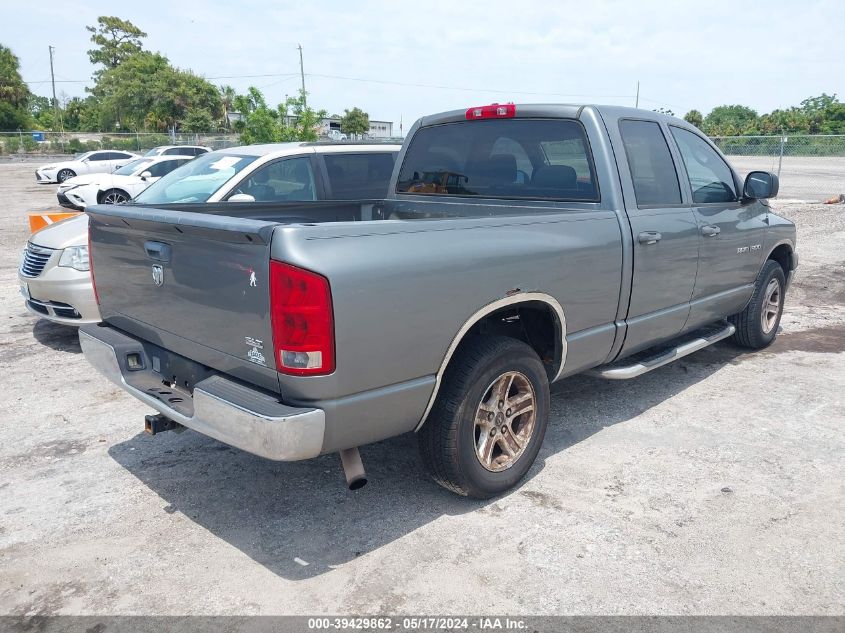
column 664, row 357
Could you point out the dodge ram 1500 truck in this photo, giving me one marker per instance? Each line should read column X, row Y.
column 555, row 239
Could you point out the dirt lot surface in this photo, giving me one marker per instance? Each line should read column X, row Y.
column 712, row 485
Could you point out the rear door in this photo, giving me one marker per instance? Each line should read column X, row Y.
column 731, row 232
column 192, row 283
column 665, row 234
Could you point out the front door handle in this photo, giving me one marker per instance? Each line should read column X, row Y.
column 649, row 237
column 710, row 230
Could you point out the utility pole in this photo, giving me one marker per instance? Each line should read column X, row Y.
column 302, row 75
column 637, row 102
column 53, row 81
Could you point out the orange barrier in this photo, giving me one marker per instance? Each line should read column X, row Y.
column 38, row 221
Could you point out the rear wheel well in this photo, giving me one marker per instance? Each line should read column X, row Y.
column 783, row 256
column 533, row 322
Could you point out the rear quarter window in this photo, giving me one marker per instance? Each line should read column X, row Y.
column 503, row 158
column 359, row 176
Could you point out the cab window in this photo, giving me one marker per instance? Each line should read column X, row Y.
column 652, row 168
column 501, row 158
column 710, row 177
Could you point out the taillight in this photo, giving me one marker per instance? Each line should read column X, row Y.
column 493, row 111
column 303, row 325
column 91, row 266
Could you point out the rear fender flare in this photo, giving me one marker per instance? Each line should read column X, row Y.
column 515, row 299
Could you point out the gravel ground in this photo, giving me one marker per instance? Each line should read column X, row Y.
column 712, row 485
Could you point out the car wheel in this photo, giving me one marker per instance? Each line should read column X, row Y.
column 113, row 196
column 64, row 174
column 489, row 419
column 757, row 325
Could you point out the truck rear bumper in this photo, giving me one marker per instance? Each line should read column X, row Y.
column 228, row 411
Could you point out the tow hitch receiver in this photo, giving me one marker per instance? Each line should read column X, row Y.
column 159, row 423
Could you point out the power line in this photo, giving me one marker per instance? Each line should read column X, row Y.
column 464, row 89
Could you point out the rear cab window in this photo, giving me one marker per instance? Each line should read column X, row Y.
column 545, row 159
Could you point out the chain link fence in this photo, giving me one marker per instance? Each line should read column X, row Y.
column 43, row 144
column 810, row 167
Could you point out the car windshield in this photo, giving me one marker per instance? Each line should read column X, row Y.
column 154, row 151
column 82, row 155
column 131, row 168
column 195, row 181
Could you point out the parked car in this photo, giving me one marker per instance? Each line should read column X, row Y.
column 54, row 277
column 120, row 186
column 54, row 274
column 178, row 150
column 279, row 172
column 96, row 162
column 578, row 238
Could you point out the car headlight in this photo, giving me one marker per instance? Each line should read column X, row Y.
column 48, row 167
column 75, row 257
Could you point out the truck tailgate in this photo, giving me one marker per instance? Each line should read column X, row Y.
column 195, row 282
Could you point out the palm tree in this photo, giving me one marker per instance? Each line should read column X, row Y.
column 227, row 95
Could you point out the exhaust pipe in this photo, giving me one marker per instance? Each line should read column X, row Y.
column 353, row 468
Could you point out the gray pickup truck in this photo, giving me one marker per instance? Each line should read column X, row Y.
column 518, row 245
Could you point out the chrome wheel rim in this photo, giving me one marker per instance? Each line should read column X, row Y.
column 63, row 175
column 504, row 421
column 771, row 306
column 114, row 198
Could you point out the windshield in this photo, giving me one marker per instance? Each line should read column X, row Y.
column 82, row 155
column 129, row 169
column 154, row 151
column 195, row 181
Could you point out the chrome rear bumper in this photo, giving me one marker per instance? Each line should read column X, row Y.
column 226, row 410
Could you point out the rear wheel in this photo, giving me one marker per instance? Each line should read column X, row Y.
column 757, row 325
column 113, row 196
column 64, row 174
column 489, row 419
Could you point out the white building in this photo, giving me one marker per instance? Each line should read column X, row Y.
column 378, row 129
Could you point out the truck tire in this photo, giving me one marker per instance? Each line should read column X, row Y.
column 757, row 325
column 489, row 419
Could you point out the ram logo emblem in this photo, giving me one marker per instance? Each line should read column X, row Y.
column 158, row 275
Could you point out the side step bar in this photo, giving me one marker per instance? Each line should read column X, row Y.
column 644, row 365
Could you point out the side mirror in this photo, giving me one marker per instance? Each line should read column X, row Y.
column 760, row 185
column 241, row 197
column 145, row 175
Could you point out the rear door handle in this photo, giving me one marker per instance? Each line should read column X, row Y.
column 649, row 237
column 710, row 230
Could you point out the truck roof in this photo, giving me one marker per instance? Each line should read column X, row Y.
column 554, row 110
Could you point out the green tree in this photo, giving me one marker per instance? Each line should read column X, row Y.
column 227, row 96
column 14, row 93
column 729, row 120
column 116, row 40
column 198, row 120
column 43, row 115
column 146, row 92
column 694, row 117
column 355, row 122
column 259, row 123
column 299, row 121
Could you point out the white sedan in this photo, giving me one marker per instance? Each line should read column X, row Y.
column 97, row 162
column 119, row 186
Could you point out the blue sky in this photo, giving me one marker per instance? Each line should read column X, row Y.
column 456, row 54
